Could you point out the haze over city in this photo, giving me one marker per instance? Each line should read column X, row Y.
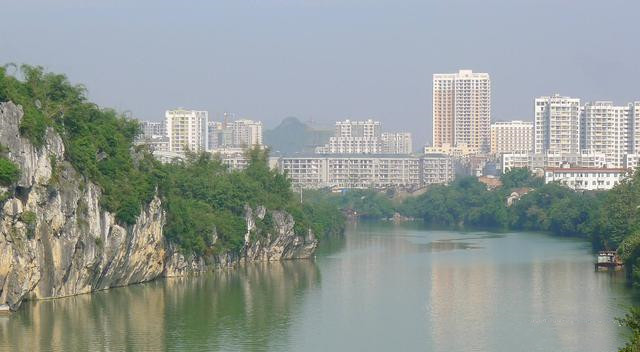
column 327, row 60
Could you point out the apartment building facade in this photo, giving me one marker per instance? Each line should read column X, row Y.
column 512, row 137
column 462, row 110
column 186, row 130
column 609, row 129
column 557, row 124
column 152, row 129
column 586, row 178
column 539, row 161
column 366, row 137
column 239, row 133
column 396, row 143
column 367, row 171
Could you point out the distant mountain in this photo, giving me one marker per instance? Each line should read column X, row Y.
column 293, row 136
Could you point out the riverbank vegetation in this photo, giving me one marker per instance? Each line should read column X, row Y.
column 199, row 194
column 608, row 219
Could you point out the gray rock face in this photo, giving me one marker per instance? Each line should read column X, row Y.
column 56, row 241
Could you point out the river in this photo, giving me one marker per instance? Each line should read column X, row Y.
column 381, row 287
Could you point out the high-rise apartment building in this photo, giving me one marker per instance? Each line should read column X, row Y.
column 234, row 134
column 512, row 137
column 462, row 110
column 557, row 124
column 358, row 129
column 396, row 143
column 366, row 137
column 246, row 132
column 152, row 128
column 608, row 129
column 187, row 130
column 634, row 109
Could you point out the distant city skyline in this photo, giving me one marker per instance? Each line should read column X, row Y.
column 327, row 60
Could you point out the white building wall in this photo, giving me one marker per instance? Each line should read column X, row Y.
column 586, row 179
column 512, row 137
column 608, row 129
column 187, row 130
column 557, row 124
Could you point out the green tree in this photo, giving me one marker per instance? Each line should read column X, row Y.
column 520, row 177
column 631, row 320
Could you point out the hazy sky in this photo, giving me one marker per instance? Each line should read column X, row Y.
column 327, row 59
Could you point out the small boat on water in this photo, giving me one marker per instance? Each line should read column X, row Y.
column 607, row 260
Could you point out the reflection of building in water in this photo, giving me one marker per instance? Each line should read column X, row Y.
column 519, row 298
column 461, row 304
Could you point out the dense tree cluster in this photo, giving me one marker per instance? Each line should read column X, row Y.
column 202, row 196
column 464, row 203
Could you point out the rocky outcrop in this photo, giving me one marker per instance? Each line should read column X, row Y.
column 56, row 240
column 277, row 243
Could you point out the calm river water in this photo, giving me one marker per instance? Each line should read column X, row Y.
column 381, row 287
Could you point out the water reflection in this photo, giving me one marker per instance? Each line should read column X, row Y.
column 381, row 287
column 248, row 307
column 523, row 293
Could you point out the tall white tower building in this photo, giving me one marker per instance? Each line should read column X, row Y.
column 557, row 124
column 610, row 130
column 462, row 110
column 246, row 133
column 187, row 130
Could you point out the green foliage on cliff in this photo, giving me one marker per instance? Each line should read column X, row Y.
column 29, row 219
column 324, row 208
column 202, row 196
column 98, row 142
column 9, row 172
column 45, row 98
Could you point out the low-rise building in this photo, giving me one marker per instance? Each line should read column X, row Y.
column 459, row 151
column 310, row 172
column 585, row 178
column 631, row 161
column 534, row 161
column 437, row 169
column 367, row 171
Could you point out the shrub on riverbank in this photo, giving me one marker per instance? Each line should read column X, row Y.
column 631, row 320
